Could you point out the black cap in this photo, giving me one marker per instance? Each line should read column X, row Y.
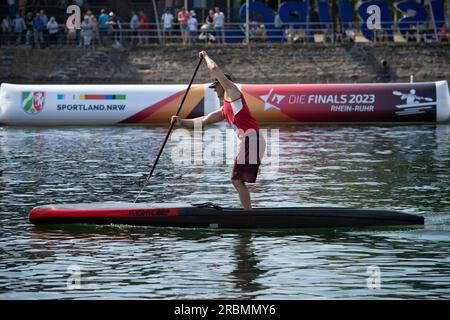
column 216, row 81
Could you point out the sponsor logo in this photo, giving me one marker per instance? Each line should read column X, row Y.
column 414, row 104
column 62, row 96
column 272, row 100
column 33, row 101
column 82, row 102
column 103, row 97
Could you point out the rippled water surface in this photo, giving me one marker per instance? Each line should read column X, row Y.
column 396, row 167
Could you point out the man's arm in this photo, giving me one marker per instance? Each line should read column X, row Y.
column 213, row 117
column 230, row 88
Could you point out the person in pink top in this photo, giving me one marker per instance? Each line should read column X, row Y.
column 183, row 17
column 237, row 114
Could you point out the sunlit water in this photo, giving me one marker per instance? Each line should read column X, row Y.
column 395, row 167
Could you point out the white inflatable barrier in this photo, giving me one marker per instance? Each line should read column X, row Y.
column 147, row 104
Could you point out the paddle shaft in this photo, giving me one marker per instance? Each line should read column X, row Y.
column 172, row 124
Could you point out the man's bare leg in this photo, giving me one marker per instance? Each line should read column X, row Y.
column 244, row 194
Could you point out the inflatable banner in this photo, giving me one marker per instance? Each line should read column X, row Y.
column 154, row 104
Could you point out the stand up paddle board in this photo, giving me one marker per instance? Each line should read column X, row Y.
column 208, row 215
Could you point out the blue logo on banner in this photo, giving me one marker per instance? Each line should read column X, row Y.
column 298, row 14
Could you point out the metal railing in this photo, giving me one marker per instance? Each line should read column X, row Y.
column 231, row 33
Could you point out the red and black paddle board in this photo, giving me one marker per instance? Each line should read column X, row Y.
column 211, row 216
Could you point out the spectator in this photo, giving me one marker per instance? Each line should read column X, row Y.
column 95, row 32
column 43, row 17
column 261, row 33
column 103, row 26
column 411, row 34
column 350, row 33
column 71, row 36
column 295, row 36
column 209, row 20
column 29, row 26
column 193, row 26
column 12, row 8
column 7, row 28
column 53, row 28
column 421, row 32
column 183, row 17
column 381, row 35
column 300, row 35
column 289, row 34
column 134, row 25
column 443, row 33
column 19, row 27
column 428, row 36
column 328, row 34
column 143, row 26
column 277, row 22
column 86, row 31
column 167, row 20
column 219, row 24
column 114, row 29
column 38, row 30
column 338, row 35
column 45, row 21
column 206, row 34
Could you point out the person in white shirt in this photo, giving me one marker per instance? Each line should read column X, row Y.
column 86, row 31
column 53, row 28
column 7, row 28
column 219, row 24
column 350, row 33
column 193, row 26
column 167, row 20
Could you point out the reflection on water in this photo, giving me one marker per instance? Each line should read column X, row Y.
column 398, row 167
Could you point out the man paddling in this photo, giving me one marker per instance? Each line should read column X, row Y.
column 237, row 114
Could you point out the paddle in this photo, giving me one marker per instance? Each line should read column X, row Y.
column 172, row 124
column 398, row 93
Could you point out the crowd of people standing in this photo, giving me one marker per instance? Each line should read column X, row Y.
column 211, row 30
column 36, row 29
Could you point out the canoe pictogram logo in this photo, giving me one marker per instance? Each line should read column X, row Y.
column 33, row 101
column 272, row 100
column 414, row 104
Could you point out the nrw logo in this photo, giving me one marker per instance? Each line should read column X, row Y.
column 33, row 102
column 272, row 100
column 74, row 20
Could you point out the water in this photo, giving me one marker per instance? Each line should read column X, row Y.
column 397, row 167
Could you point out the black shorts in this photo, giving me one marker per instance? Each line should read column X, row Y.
column 248, row 159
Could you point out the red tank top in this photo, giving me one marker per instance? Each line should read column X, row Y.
column 237, row 114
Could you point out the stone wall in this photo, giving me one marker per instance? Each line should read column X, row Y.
column 262, row 63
